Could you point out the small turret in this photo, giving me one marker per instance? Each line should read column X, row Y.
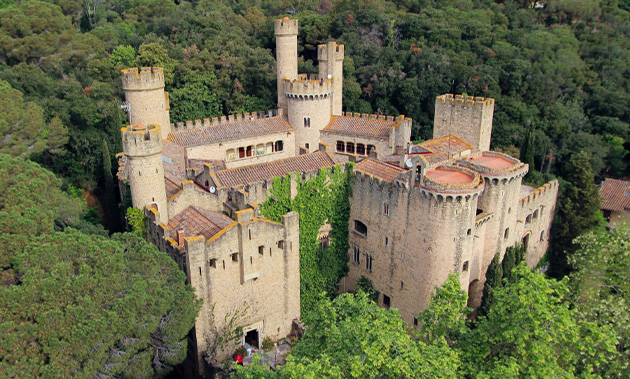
column 286, row 31
column 330, row 59
column 142, row 145
column 147, row 102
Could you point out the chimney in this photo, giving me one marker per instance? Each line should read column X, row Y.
column 180, row 237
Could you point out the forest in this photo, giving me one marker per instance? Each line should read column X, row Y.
column 559, row 72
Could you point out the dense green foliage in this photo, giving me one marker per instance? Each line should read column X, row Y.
column 497, row 272
column 601, row 288
column 79, row 305
column 323, row 199
column 577, row 211
column 563, row 68
column 365, row 285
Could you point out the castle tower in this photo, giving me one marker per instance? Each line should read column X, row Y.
column 147, row 101
column 469, row 118
column 286, row 31
column 142, row 146
column 330, row 59
column 309, row 104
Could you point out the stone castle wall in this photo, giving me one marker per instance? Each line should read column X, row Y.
column 469, row 118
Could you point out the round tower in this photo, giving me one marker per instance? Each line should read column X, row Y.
column 147, row 102
column 142, row 146
column 309, row 104
column 286, row 31
column 330, row 59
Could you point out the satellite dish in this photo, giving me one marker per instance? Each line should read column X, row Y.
column 212, row 189
column 409, row 163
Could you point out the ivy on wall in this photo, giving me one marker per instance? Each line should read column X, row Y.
column 323, row 199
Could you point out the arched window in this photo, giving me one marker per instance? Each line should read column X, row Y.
column 360, row 149
column 249, row 150
column 269, row 147
column 230, row 155
column 370, row 148
column 241, row 152
column 279, row 145
column 341, row 147
column 350, row 148
column 260, row 149
column 307, row 122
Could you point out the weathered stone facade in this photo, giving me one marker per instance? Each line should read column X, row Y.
column 418, row 212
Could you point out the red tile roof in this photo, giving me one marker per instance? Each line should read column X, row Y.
column 357, row 126
column 450, row 145
column 239, row 176
column 228, row 132
column 172, row 188
column 381, row 170
column 194, row 221
column 615, row 195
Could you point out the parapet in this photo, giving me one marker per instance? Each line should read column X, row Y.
column 224, row 120
column 495, row 165
column 143, row 79
column 541, row 194
column 306, row 88
column 476, row 101
column 139, row 140
column 452, row 180
column 322, row 52
column 285, row 27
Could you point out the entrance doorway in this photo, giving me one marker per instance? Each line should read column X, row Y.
column 252, row 338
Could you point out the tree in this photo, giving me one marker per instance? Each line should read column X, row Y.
column 137, row 222
column 352, row 337
column 531, row 332
column 89, row 306
column 601, row 289
column 577, row 211
column 445, row 319
column 364, row 284
column 23, row 127
column 494, row 280
column 528, row 146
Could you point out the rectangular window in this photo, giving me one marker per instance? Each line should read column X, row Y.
column 356, row 257
column 212, row 263
column 386, row 241
column 307, row 122
column 234, row 257
column 465, row 266
column 360, row 227
column 280, row 244
column 261, row 250
column 360, row 149
column 249, row 151
column 386, row 301
column 415, row 321
column 350, row 148
column 368, row 262
column 386, row 209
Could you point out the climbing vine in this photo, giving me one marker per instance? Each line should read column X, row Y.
column 323, row 199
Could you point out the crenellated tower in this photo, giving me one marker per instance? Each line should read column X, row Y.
column 286, row 31
column 330, row 59
column 469, row 118
column 142, row 146
column 147, row 101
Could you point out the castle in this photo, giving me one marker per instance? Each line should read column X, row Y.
column 418, row 211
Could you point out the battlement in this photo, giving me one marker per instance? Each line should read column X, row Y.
column 144, row 79
column 461, row 100
column 304, row 88
column 495, row 164
column 376, row 116
column 541, row 193
column 224, row 120
column 139, row 140
column 322, row 52
column 285, row 27
column 452, row 179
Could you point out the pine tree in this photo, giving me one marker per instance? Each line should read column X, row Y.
column 494, row 277
column 578, row 209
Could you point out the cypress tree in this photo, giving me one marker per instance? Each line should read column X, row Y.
column 494, row 276
column 577, row 212
column 109, row 199
column 509, row 262
column 528, row 147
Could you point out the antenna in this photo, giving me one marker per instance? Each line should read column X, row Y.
column 126, row 107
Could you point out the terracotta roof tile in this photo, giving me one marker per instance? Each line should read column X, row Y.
column 228, row 132
column 194, row 221
column 385, row 171
column 239, row 176
column 450, row 145
column 615, row 195
column 172, row 188
column 360, row 126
